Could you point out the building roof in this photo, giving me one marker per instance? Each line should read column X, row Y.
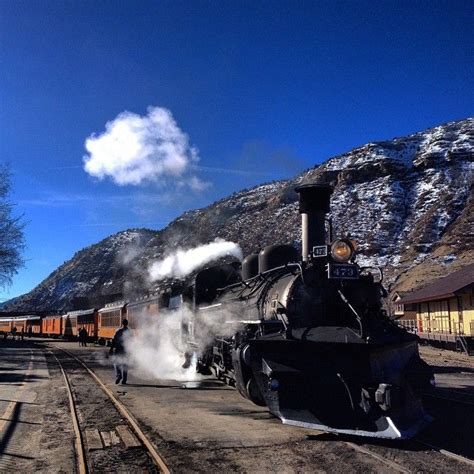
column 400, row 295
column 445, row 287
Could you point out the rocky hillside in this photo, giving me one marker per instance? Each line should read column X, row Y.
column 96, row 270
column 407, row 201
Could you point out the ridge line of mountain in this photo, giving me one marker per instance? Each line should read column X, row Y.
column 408, row 201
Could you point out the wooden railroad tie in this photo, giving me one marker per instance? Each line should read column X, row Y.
column 109, row 438
column 128, row 438
column 105, row 435
column 114, row 439
column 93, row 440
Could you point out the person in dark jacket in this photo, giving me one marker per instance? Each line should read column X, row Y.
column 118, row 350
column 83, row 337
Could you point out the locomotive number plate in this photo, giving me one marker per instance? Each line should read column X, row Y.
column 348, row 272
column 320, row 251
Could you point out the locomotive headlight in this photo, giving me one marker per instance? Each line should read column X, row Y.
column 342, row 250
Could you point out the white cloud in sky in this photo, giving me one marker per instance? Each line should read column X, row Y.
column 138, row 149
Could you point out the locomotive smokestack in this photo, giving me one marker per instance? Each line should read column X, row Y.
column 314, row 204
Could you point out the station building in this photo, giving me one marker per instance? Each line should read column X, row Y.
column 443, row 311
column 401, row 311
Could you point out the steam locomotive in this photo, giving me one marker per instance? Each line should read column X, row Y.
column 307, row 336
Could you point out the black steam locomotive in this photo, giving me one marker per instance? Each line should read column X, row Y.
column 308, row 337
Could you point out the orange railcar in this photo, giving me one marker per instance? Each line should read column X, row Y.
column 52, row 326
column 20, row 324
column 139, row 311
column 33, row 325
column 29, row 324
column 87, row 319
column 110, row 319
column 111, row 316
column 69, row 326
column 5, row 325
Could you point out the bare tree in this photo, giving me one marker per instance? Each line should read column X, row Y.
column 12, row 240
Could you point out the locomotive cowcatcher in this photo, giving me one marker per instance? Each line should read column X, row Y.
column 307, row 336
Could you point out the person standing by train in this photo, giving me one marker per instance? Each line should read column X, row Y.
column 83, row 337
column 117, row 349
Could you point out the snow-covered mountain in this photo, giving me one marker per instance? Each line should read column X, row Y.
column 407, row 201
column 96, row 270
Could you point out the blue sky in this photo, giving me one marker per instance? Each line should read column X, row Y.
column 262, row 90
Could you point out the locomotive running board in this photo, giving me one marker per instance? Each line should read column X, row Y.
column 391, row 432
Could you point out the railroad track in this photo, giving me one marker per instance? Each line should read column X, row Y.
column 450, row 399
column 380, row 454
column 80, row 448
column 394, row 466
column 446, row 453
column 431, row 446
column 131, row 435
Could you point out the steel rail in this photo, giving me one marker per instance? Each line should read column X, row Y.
column 392, row 464
column 446, row 453
column 124, row 411
column 398, row 467
column 80, row 450
column 455, row 400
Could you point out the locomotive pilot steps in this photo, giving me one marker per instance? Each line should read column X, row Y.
column 307, row 336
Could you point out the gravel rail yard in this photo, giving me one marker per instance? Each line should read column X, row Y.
column 204, row 426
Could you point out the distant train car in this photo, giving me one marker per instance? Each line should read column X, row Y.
column 20, row 323
column 33, row 325
column 145, row 308
column 86, row 318
column 69, row 326
column 52, row 326
column 5, row 325
column 24, row 324
column 110, row 319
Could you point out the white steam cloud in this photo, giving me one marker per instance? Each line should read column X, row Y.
column 183, row 262
column 135, row 149
column 157, row 343
column 156, row 346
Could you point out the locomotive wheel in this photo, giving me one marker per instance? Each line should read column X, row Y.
column 253, row 393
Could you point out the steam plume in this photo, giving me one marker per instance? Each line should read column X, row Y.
column 156, row 346
column 183, row 262
column 135, row 149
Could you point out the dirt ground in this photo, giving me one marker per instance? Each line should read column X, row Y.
column 440, row 357
column 211, row 427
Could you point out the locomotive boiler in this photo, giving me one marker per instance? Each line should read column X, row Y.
column 307, row 336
